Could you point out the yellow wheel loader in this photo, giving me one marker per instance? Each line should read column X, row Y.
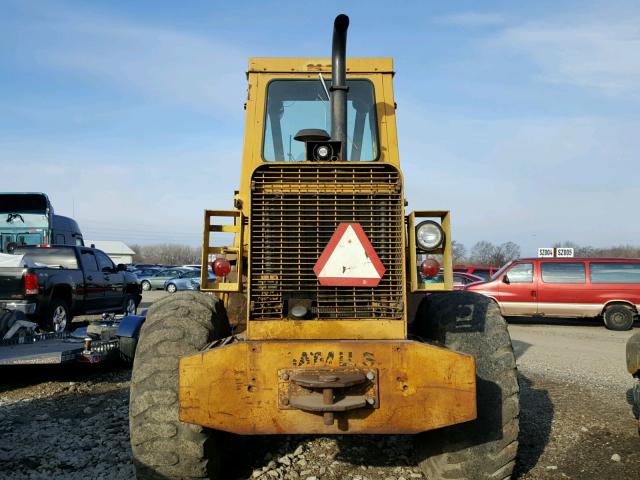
column 326, row 315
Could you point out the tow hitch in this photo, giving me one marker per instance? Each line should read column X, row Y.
column 327, row 391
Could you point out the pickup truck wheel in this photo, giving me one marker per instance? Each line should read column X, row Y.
column 618, row 317
column 162, row 445
column 146, row 286
column 129, row 306
column 58, row 317
column 484, row 448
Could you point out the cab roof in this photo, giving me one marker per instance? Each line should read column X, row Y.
column 310, row 65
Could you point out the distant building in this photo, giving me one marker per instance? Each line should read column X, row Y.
column 117, row 251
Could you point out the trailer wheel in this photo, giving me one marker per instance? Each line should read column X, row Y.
column 484, row 448
column 162, row 445
column 127, row 349
column 618, row 317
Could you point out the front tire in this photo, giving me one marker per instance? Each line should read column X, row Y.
column 618, row 317
column 484, row 448
column 171, row 288
column 162, row 445
column 146, row 286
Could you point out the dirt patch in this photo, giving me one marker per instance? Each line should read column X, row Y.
column 73, row 425
column 572, row 431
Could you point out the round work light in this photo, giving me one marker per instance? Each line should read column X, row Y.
column 429, row 235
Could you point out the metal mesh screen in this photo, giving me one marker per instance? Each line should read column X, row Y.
column 295, row 209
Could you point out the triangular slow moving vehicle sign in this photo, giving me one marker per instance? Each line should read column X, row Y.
column 349, row 259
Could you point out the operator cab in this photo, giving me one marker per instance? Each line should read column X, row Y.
column 295, row 106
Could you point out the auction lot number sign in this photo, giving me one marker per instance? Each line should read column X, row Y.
column 560, row 252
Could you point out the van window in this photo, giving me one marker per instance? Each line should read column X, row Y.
column 521, row 273
column 614, row 272
column 563, row 272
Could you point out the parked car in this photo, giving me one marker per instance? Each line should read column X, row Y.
column 142, row 273
column 158, row 279
column 54, row 283
column 568, row 287
column 460, row 279
column 483, row 272
column 139, row 266
column 188, row 281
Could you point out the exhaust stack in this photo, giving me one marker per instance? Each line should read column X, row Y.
column 339, row 87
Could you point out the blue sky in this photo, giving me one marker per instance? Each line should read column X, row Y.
column 521, row 117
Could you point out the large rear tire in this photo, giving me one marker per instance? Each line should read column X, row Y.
column 484, row 448
column 162, row 445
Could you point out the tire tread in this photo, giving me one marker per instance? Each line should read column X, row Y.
column 163, row 446
column 470, row 323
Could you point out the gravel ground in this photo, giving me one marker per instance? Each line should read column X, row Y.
column 71, row 423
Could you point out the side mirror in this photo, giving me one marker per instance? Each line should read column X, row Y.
column 121, row 267
column 506, row 280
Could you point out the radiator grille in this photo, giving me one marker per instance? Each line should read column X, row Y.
column 295, row 209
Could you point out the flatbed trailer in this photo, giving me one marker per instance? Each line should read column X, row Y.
column 55, row 348
column 77, row 346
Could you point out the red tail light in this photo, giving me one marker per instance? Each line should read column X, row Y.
column 430, row 267
column 221, row 267
column 30, row 284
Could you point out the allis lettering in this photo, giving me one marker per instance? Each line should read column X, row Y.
column 332, row 359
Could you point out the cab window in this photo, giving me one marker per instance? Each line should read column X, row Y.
column 293, row 105
column 89, row 263
column 104, row 263
column 521, row 273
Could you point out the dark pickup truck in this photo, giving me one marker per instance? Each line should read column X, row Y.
column 54, row 283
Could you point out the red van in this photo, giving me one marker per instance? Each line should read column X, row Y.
column 568, row 287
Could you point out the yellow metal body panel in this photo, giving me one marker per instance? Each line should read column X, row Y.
column 447, row 255
column 236, row 387
column 224, row 285
column 327, row 329
column 305, row 65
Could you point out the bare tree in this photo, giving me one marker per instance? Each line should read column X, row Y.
column 459, row 253
column 489, row 255
column 505, row 253
column 619, row 251
column 482, row 253
column 166, row 254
